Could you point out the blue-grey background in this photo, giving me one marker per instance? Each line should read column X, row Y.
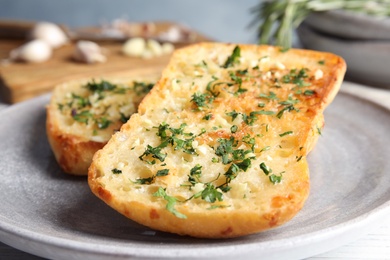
column 222, row 20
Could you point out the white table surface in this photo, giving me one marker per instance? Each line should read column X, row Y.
column 374, row 245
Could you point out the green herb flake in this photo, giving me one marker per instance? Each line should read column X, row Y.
column 171, row 202
column 286, row 109
column 319, row 131
column 309, row 92
column 211, row 194
column 265, row 148
column 103, row 123
column 155, row 152
column 218, row 207
column 208, row 117
column 142, row 88
column 265, row 168
column 271, row 96
column 100, row 87
column 82, row 116
column 233, row 58
column 276, row 178
column 286, row 133
column 124, row 118
column 200, row 100
column 233, row 114
column 163, row 172
column 116, row 171
column 234, row 128
column 195, row 174
column 148, row 180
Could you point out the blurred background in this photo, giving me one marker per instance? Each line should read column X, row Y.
column 222, row 20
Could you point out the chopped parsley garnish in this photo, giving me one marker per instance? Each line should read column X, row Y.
column 234, row 128
column 195, row 174
column 286, row 133
column 211, row 194
column 265, row 148
column 270, row 96
column 272, row 177
column 81, row 102
column 163, row 172
column 286, row 109
column 233, row 58
column 171, row 202
column 296, row 77
column 150, row 180
column 319, row 131
column 116, row 171
column 141, row 88
column 201, row 100
column 103, row 122
column 233, row 114
column 155, row 152
column 237, row 80
column 217, row 206
column 208, row 116
column 170, row 136
column 85, row 107
column 101, row 86
column 210, row 87
column 142, row 181
column 265, row 168
column 309, row 92
column 276, row 178
column 289, row 101
column 82, row 116
column 124, row 118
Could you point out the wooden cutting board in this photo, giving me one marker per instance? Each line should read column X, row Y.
column 22, row 81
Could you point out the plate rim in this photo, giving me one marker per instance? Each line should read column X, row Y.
column 364, row 221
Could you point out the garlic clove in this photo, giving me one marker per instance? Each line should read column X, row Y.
column 49, row 32
column 167, row 48
column 134, row 47
column 34, row 51
column 89, row 52
column 154, row 47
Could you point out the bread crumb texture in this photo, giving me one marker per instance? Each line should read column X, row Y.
column 218, row 147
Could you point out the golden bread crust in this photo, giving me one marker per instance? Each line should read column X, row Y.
column 218, row 147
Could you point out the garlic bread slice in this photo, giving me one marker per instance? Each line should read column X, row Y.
column 218, row 147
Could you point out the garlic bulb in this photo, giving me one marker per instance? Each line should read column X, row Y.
column 34, row 51
column 50, row 33
column 89, row 52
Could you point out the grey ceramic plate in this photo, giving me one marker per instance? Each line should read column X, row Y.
column 367, row 61
column 350, row 25
column 47, row 213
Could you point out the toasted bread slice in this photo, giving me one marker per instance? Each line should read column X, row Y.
column 82, row 115
column 218, row 147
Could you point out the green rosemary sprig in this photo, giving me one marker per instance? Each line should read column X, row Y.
column 276, row 19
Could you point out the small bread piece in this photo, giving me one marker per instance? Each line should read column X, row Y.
column 82, row 115
column 218, row 147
